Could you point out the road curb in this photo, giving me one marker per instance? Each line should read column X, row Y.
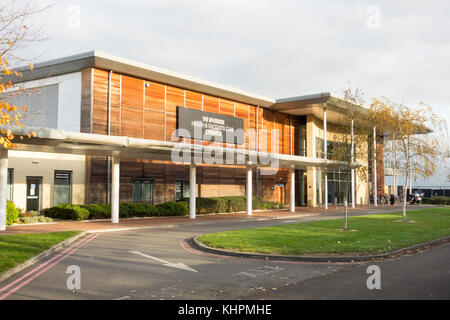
column 193, row 242
column 9, row 273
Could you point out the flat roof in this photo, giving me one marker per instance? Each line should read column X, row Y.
column 298, row 105
column 101, row 60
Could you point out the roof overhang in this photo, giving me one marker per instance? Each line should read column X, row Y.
column 315, row 104
column 101, row 60
column 59, row 141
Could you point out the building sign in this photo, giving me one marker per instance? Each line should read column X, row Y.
column 210, row 126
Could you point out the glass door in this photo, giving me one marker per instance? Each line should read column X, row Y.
column 34, row 185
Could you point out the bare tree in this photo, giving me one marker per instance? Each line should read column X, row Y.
column 17, row 31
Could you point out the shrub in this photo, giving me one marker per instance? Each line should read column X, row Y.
column 166, row 209
column 12, row 213
column 98, row 211
column 34, row 219
column 437, row 200
column 236, row 203
column 68, row 212
column 137, row 209
column 230, row 204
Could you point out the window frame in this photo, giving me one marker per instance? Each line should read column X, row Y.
column 70, row 172
column 141, row 180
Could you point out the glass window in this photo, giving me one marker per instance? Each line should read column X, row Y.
column 62, row 190
column 9, row 190
column 142, row 191
column 181, row 189
column 302, row 140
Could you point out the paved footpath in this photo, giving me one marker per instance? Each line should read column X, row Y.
column 157, row 264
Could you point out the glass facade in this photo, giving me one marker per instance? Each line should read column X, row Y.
column 9, row 189
column 62, row 190
column 335, row 150
column 339, row 186
column 181, row 189
column 142, row 191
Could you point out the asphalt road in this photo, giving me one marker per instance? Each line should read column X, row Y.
column 157, row 264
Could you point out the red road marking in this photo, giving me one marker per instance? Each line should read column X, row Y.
column 74, row 248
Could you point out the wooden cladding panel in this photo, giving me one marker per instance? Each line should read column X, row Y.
column 86, row 100
column 227, row 107
column 213, row 181
column 241, row 111
column 193, row 100
column 115, row 104
column 268, row 124
column 150, row 111
column 154, row 115
column 100, row 102
column 132, row 108
column 210, row 104
column 174, row 98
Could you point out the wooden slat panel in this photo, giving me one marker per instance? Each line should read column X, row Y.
column 174, row 98
column 85, row 125
column 132, row 107
column 193, row 100
column 210, row 104
column 242, row 112
column 154, row 119
column 100, row 102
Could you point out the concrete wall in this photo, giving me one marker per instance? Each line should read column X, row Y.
column 43, row 165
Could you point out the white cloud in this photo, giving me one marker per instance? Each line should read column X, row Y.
column 274, row 48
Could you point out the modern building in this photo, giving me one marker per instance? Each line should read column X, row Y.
column 94, row 113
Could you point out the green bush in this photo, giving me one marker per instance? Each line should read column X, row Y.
column 137, row 209
column 12, row 213
column 67, row 212
column 437, row 200
column 167, row 209
column 98, row 211
column 230, row 204
column 236, row 203
column 143, row 209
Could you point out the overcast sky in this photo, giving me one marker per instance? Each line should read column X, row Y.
column 398, row 49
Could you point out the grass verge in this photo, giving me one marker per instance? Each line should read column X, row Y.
column 371, row 234
column 16, row 249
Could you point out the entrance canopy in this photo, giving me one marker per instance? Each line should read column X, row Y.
column 59, row 141
column 117, row 147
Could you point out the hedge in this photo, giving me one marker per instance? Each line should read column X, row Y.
column 172, row 209
column 437, row 200
column 126, row 210
column 68, row 212
column 141, row 209
column 230, row 204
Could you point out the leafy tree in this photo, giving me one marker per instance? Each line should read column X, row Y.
column 352, row 130
column 416, row 151
column 16, row 32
